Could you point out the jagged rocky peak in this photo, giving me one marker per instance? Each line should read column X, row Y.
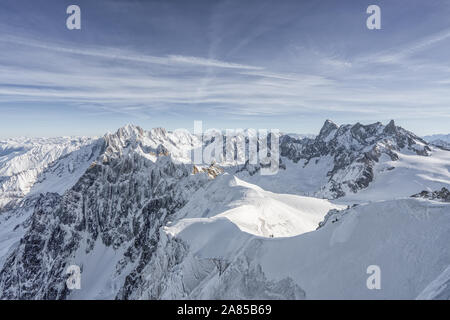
column 126, row 136
column 131, row 131
column 327, row 128
column 135, row 133
column 359, row 136
column 334, row 140
column 330, row 124
column 119, row 203
column 355, row 149
column 391, row 128
column 153, row 143
column 158, row 133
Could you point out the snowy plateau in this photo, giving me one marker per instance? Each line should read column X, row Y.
column 142, row 222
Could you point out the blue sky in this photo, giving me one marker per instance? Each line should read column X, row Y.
column 232, row 64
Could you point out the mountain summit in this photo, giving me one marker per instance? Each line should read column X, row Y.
column 353, row 151
column 142, row 222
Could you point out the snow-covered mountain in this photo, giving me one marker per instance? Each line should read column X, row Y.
column 143, row 222
column 23, row 160
column 439, row 140
column 441, row 144
column 434, row 137
column 122, row 198
column 357, row 163
column 329, row 263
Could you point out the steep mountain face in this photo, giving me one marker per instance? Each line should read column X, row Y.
column 353, row 151
column 114, row 217
column 119, row 202
column 226, row 221
column 65, row 161
column 214, row 259
column 32, row 167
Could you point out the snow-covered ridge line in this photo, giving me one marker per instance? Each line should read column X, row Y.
column 434, row 137
column 142, row 222
column 23, row 161
column 29, row 166
column 252, row 209
column 353, row 152
column 331, row 262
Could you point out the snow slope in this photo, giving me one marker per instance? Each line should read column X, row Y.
column 252, row 209
column 22, row 161
column 408, row 175
column 233, row 216
column 438, row 289
column 408, row 239
column 142, row 223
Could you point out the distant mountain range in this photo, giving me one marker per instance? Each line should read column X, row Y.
column 434, row 137
column 143, row 222
column 439, row 140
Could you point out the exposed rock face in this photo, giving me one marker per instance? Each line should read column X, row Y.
column 125, row 197
column 441, row 195
column 121, row 202
column 355, row 149
column 131, row 184
column 245, row 279
column 213, row 170
column 36, row 268
column 175, row 273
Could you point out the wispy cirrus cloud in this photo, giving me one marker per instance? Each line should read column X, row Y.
column 113, row 53
column 224, row 61
column 399, row 54
column 126, row 81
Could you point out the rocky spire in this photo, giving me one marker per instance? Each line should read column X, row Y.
column 327, row 128
column 390, row 128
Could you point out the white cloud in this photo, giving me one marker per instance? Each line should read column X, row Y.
column 112, row 80
column 113, row 53
column 399, row 54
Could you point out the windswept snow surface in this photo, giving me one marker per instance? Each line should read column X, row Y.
column 99, row 280
column 408, row 239
column 227, row 212
column 297, row 178
column 438, row 289
column 253, row 210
